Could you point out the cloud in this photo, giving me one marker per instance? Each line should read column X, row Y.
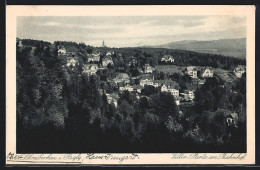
column 50, row 24
column 192, row 23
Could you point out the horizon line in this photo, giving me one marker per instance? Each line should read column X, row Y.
column 52, row 42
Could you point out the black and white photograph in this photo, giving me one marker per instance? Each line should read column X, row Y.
column 131, row 84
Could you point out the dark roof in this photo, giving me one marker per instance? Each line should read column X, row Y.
column 129, row 84
column 226, row 113
column 107, row 58
column 93, row 55
column 122, row 76
column 167, row 57
column 114, row 95
column 88, row 66
column 191, row 68
column 240, row 68
column 146, row 76
column 159, row 81
column 138, row 86
column 204, row 68
column 72, row 49
column 169, row 82
column 147, row 65
column 202, row 81
column 52, row 46
column 96, row 52
column 121, row 84
column 60, row 46
column 75, row 58
column 195, row 79
column 191, row 86
column 172, row 84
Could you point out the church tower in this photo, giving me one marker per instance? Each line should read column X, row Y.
column 103, row 44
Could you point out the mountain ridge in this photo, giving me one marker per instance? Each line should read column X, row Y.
column 228, row 47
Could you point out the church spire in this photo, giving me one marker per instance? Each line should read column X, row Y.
column 103, row 43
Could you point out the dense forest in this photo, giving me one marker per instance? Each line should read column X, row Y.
column 59, row 109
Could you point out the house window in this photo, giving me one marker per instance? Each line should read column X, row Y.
column 229, row 120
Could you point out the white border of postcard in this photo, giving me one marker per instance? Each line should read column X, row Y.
column 13, row 11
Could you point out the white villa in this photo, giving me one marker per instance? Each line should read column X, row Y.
column 94, row 57
column 172, row 87
column 148, row 68
column 90, row 69
column 111, row 99
column 127, row 87
column 239, row 70
column 107, row 60
column 167, row 58
column 146, row 79
column 72, row 61
column 62, row 51
column 206, row 72
column 122, row 77
column 191, row 71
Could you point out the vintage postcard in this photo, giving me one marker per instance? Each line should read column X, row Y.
column 121, row 85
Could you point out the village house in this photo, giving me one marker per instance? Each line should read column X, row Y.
column 20, row 43
column 170, row 86
column 239, row 71
column 157, row 83
column 62, row 50
column 133, row 61
column 94, row 57
column 109, row 53
column 184, row 96
column 147, row 68
column 206, row 72
column 201, row 82
column 72, row 61
column 129, row 87
column 138, row 88
column 177, row 101
column 232, row 119
column 191, row 71
column 120, row 54
column 122, row 78
column 190, row 92
column 123, row 86
column 90, row 69
column 72, row 51
column 112, row 99
column 188, row 95
column 140, row 70
column 167, row 58
column 146, row 79
column 137, row 95
column 172, row 90
column 133, row 80
column 107, row 60
column 195, row 81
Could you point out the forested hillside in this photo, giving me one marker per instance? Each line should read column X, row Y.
column 59, row 109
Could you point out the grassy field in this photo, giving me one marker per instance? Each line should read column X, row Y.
column 225, row 75
column 178, row 69
column 169, row 69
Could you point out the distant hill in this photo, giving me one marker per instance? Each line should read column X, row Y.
column 226, row 47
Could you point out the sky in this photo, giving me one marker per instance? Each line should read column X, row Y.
column 130, row 31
